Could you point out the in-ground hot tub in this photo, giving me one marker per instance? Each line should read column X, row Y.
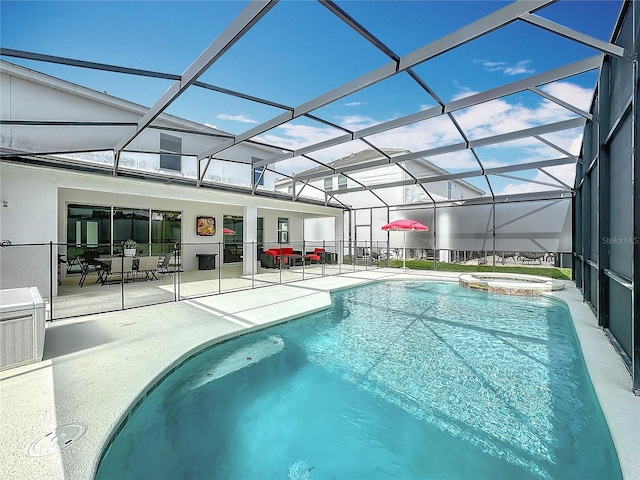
column 509, row 283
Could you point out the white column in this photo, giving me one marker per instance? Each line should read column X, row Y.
column 250, row 229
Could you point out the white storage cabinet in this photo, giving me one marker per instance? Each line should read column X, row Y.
column 22, row 319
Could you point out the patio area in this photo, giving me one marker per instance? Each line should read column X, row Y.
column 93, row 297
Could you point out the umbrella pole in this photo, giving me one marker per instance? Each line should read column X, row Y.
column 404, row 251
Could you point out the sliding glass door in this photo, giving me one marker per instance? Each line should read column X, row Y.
column 92, row 230
column 131, row 224
column 88, row 230
column 232, row 235
column 165, row 230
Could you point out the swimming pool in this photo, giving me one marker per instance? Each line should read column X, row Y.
column 396, row 380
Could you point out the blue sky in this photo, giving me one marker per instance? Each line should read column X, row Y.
column 300, row 50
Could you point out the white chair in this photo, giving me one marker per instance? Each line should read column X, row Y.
column 120, row 266
column 163, row 264
column 148, row 266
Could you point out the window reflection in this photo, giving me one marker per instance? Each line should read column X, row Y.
column 88, row 230
column 233, row 241
column 165, row 230
column 131, row 223
column 94, row 230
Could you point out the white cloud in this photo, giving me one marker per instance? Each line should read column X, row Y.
column 432, row 133
column 520, row 68
column 492, row 118
column 501, row 116
column 463, row 92
column 463, row 161
column 489, row 64
column 355, row 122
column 294, row 136
column 295, row 164
column 236, row 118
column 571, row 93
column 354, row 104
column 564, row 173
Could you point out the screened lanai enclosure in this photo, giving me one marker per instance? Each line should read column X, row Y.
column 508, row 128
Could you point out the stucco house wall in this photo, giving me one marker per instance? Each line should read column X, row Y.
column 37, row 199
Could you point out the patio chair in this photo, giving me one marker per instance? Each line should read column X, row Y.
column 163, row 264
column 120, row 267
column 531, row 257
column 505, row 255
column 72, row 263
column 149, row 267
column 85, row 269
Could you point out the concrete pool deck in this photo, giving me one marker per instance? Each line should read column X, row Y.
column 96, row 367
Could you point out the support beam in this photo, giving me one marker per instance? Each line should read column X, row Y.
column 529, row 132
column 556, row 147
column 603, row 198
column 491, row 22
column 635, row 162
column 576, row 68
column 463, row 175
column 8, row 52
column 592, row 42
column 562, row 103
column 40, row 57
column 569, row 187
column 529, row 180
column 236, row 29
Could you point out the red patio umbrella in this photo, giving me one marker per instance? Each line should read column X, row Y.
column 404, row 226
column 228, row 231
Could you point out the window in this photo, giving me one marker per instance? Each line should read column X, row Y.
column 290, row 189
column 166, row 229
column 328, row 184
column 449, row 190
column 131, row 223
column 260, row 231
column 88, row 228
column 342, row 182
column 233, row 248
column 283, row 230
column 258, row 177
column 260, row 236
column 169, row 147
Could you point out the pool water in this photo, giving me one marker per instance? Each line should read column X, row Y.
column 411, row 380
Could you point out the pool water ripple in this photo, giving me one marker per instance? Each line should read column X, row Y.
column 397, row 380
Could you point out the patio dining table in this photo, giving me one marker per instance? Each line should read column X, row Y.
column 108, row 259
column 105, row 265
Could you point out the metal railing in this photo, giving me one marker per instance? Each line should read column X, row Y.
column 80, row 280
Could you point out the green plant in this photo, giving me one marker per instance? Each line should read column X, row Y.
column 130, row 244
